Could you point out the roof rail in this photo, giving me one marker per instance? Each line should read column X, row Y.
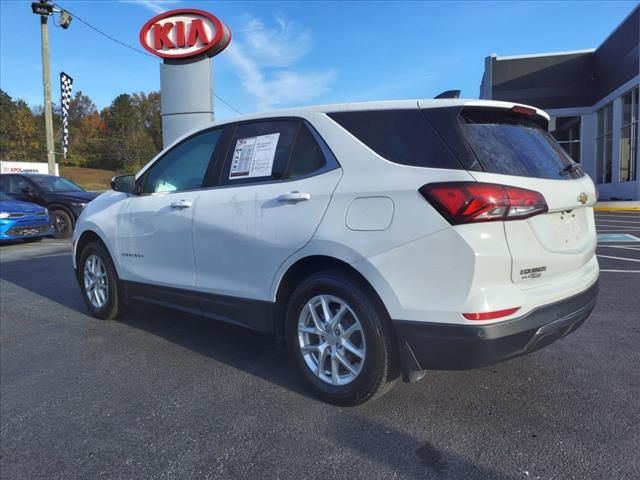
column 449, row 94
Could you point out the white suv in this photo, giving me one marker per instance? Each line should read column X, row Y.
column 380, row 239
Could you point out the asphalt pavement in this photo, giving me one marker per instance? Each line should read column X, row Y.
column 165, row 395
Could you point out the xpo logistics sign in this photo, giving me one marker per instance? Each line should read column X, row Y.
column 185, row 34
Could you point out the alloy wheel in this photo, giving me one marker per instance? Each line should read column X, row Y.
column 331, row 340
column 96, row 282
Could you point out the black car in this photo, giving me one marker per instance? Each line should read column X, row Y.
column 63, row 198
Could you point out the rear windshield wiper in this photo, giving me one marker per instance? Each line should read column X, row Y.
column 572, row 167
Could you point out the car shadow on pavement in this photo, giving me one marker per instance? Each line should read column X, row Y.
column 52, row 277
column 404, row 454
column 249, row 351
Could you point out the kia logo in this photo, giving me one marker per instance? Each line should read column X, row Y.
column 185, row 33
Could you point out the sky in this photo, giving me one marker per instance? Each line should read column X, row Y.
column 299, row 53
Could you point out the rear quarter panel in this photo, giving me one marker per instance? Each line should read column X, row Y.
column 367, row 175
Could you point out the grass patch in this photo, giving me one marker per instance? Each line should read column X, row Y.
column 92, row 179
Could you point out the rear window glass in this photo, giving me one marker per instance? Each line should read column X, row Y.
column 400, row 136
column 511, row 145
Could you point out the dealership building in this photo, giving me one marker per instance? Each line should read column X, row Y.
column 592, row 98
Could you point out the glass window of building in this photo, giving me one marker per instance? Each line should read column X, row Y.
column 567, row 133
column 604, row 144
column 629, row 136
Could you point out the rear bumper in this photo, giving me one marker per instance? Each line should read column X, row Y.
column 439, row 346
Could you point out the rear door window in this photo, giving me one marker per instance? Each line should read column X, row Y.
column 511, row 144
column 259, row 152
column 400, row 136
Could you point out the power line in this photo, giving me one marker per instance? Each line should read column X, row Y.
column 131, row 47
column 228, row 104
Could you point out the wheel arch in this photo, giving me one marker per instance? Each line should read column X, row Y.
column 84, row 239
column 305, row 267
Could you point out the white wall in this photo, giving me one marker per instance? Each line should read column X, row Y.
column 588, row 144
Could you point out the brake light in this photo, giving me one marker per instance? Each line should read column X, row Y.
column 491, row 315
column 529, row 112
column 469, row 202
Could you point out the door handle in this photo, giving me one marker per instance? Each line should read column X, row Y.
column 294, row 197
column 180, row 204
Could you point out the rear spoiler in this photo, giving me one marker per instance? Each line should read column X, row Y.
column 448, row 94
column 516, row 111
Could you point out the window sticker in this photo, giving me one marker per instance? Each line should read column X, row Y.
column 253, row 156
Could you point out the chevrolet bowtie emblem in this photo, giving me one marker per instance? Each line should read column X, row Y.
column 583, row 197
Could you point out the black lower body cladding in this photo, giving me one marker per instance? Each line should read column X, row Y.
column 438, row 346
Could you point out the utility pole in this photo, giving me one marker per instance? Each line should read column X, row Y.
column 45, row 9
column 46, row 85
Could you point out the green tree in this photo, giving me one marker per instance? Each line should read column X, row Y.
column 124, row 136
column 149, row 109
column 129, row 145
column 18, row 130
column 6, row 124
column 40, row 154
column 80, row 107
column 85, row 136
column 25, row 135
column 88, row 143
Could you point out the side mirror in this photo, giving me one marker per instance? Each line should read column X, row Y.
column 28, row 191
column 123, row 183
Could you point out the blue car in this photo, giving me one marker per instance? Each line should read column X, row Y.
column 22, row 220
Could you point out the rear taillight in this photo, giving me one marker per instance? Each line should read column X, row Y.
column 468, row 202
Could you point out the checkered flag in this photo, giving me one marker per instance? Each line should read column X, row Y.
column 66, row 84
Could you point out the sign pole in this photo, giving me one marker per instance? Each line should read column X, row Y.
column 46, row 85
column 187, row 40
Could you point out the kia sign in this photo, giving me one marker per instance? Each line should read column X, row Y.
column 185, row 33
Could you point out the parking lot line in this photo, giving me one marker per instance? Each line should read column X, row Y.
column 600, row 223
column 617, row 238
column 617, row 229
column 620, row 271
column 618, row 214
column 598, row 227
column 619, row 221
column 620, row 258
column 623, row 219
column 621, row 247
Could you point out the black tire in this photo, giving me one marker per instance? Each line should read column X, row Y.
column 32, row 240
column 62, row 223
column 380, row 368
column 114, row 306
